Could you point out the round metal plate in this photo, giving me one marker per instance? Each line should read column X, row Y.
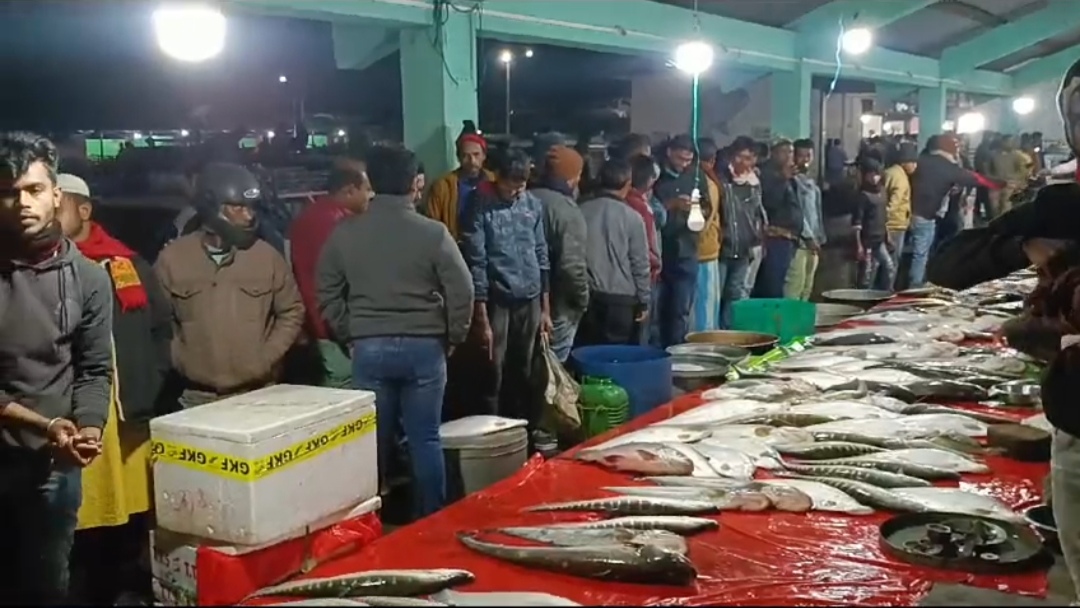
column 997, row 546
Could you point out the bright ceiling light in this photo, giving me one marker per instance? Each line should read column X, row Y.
column 341, row 133
column 283, row 79
column 865, row 119
column 529, row 53
column 972, row 122
column 506, row 57
column 857, row 41
column 184, row 133
column 694, row 58
column 270, row 134
column 190, row 32
column 1023, row 105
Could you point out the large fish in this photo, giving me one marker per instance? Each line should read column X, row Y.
column 901, row 467
column 745, row 494
column 826, row 450
column 824, row 497
column 786, row 419
column 501, row 598
column 955, row 500
column 641, row 458
column 625, row 505
column 811, row 360
column 770, row 435
column 571, row 537
column 645, row 564
column 839, row 410
column 746, row 498
column 722, row 412
column 372, row 582
column 947, row 389
column 702, row 466
column 940, row 459
column 655, row 434
column 869, row 495
column 851, row 337
column 919, row 426
column 882, row 479
column 726, row 461
column 768, row 390
column 760, row 453
column 929, row 408
column 679, row 524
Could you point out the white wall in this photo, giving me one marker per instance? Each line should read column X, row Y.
column 1044, row 118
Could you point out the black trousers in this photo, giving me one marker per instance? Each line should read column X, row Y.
column 610, row 319
column 514, row 326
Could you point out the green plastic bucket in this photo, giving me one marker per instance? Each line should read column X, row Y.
column 788, row 319
column 604, row 406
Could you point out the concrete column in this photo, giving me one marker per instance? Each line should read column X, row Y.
column 791, row 103
column 438, row 88
column 931, row 111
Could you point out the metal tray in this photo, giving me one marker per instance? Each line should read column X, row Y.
column 1015, row 548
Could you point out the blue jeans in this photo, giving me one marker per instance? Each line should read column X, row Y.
column 39, row 509
column 563, row 330
column 772, row 275
column 922, row 238
column 896, row 238
column 732, row 282
column 650, row 330
column 678, row 282
column 408, row 376
column 877, row 270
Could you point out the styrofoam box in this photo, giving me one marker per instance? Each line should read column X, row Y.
column 250, row 468
column 173, row 569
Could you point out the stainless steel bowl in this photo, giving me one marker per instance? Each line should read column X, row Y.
column 695, row 372
column 1023, row 393
column 729, row 354
column 863, row 298
column 756, row 343
column 828, row 314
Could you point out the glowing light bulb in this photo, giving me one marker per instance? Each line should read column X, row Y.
column 857, row 41
column 1023, row 105
column 694, row 58
column 190, row 32
column 696, row 220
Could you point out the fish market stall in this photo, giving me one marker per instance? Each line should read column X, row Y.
column 771, row 489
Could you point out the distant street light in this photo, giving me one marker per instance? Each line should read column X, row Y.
column 341, row 133
column 282, row 79
column 136, row 135
column 190, row 32
column 506, row 57
column 270, row 135
column 184, row 133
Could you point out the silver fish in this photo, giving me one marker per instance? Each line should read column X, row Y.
column 645, row 564
column 747, row 498
column 641, row 458
column 903, row 468
column 882, row 479
column 717, row 483
column 770, row 435
column 501, row 598
column 570, row 537
column 929, row 408
column 824, row 496
column 727, row 462
column 679, row 524
column 931, row 457
column 956, row 500
column 655, row 434
column 372, row 582
column 826, row 450
column 786, row 419
column 632, row 506
column 869, row 495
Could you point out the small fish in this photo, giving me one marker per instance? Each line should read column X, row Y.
column 632, row 506
column 570, row 537
column 941, row 459
column 645, row 564
column 501, row 598
column 827, row 450
column 824, row 496
column 882, row 479
column 786, row 419
column 640, row 458
column 679, row 524
column 390, row 601
column 372, row 582
column 869, row 495
column 903, row 468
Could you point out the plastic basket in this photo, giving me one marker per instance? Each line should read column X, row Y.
column 604, row 406
column 788, row 319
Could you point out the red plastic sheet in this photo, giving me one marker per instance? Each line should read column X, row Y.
column 754, row 559
column 224, row 579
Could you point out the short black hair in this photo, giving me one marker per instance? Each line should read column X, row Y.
column 707, row 148
column 681, row 142
column 392, row 170
column 615, row 174
column 343, row 175
column 743, row 143
column 642, row 169
column 515, row 165
column 20, row 149
column 804, row 144
column 631, row 143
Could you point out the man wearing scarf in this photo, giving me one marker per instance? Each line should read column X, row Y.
column 448, row 201
column 116, row 486
column 56, row 345
column 236, row 310
column 743, row 229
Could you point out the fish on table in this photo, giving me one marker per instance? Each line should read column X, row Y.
column 578, row 537
column 390, row 601
column 640, row 458
column 956, row 500
column 726, row 461
column 827, row 450
column 761, row 454
column 824, row 497
column 917, row 426
column 867, row 494
column 770, row 435
column 371, row 582
column 655, row 434
column 929, row 457
column 910, row 469
column 742, row 498
column 786, row 418
column 721, row 412
column 882, row 479
column 626, row 505
column 838, row 410
column 644, row 564
column 679, row 524
column 501, row 598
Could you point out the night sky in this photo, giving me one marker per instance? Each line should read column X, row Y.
column 94, row 64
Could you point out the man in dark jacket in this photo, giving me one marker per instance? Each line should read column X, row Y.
column 56, row 342
column 678, row 180
column 113, row 529
column 564, row 230
column 742, row 222
column 507, row 252
column 782, row 207
column 403, row 313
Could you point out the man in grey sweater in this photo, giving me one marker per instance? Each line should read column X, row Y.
column 55, row 380
column 617, row 251
column 392, row 283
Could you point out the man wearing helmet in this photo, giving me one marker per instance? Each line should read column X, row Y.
column 235, row 306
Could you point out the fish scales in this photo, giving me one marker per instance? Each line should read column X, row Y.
column 679, row 524
column 879, row 478
column 786, row 419
column 830, row 436
column 827, row 449
column 372, row 582
column 641, row 458
column 869, row 495
column 632, row 506
column 903, row 468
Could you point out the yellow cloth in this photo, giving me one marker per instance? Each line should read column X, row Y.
column 898, row 198
column 709, row 240
column 442, row 202
column 117, row 484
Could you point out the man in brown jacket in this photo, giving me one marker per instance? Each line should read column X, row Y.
column 236, row 309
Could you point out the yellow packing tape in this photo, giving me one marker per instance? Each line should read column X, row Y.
column 241, row 469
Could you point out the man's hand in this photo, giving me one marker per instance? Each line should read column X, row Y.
column 813, row 246
column 860, row 254
column 679, row 203
column 85, row 446
column 450, row 351
column 546, row 326
column 890, row 247
column 641, row 316
column 487, row 338
column 61, row 432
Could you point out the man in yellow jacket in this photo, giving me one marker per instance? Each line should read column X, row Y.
column 898, row 198
column 447, row 202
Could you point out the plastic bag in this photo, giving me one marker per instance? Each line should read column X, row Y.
column 560, row 395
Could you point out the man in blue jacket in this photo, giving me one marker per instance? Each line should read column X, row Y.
column 507, row 252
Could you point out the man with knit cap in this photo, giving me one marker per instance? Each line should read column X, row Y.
column 449, row 198
column 564, row 226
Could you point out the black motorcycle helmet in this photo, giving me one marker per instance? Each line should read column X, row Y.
column 220, row 184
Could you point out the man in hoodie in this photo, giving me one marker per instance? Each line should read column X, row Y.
column 678, row 181
column 507, row 252
column 743, row 224
column 784, row 211
column 896, row 182
column 450, row 195
column 55, row 384
column 618, row 255
column 799, row 283
column 564, row 229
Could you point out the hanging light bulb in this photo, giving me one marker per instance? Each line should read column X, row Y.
column 696, row 220
column 694, row 58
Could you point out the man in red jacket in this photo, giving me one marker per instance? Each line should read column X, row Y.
column 349, row 192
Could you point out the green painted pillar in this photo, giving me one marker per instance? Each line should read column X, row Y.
column 791, row 103
column 438, row 88
column 931, row 111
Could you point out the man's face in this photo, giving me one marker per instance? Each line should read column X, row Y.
column 510, row 189
column 743, row 161
column 73, row 215
column 241, row 216
column 680, row 159
column 909, row 168
column 782, row 155
column 804, row 157
column 29, row 203
column 471, row 156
